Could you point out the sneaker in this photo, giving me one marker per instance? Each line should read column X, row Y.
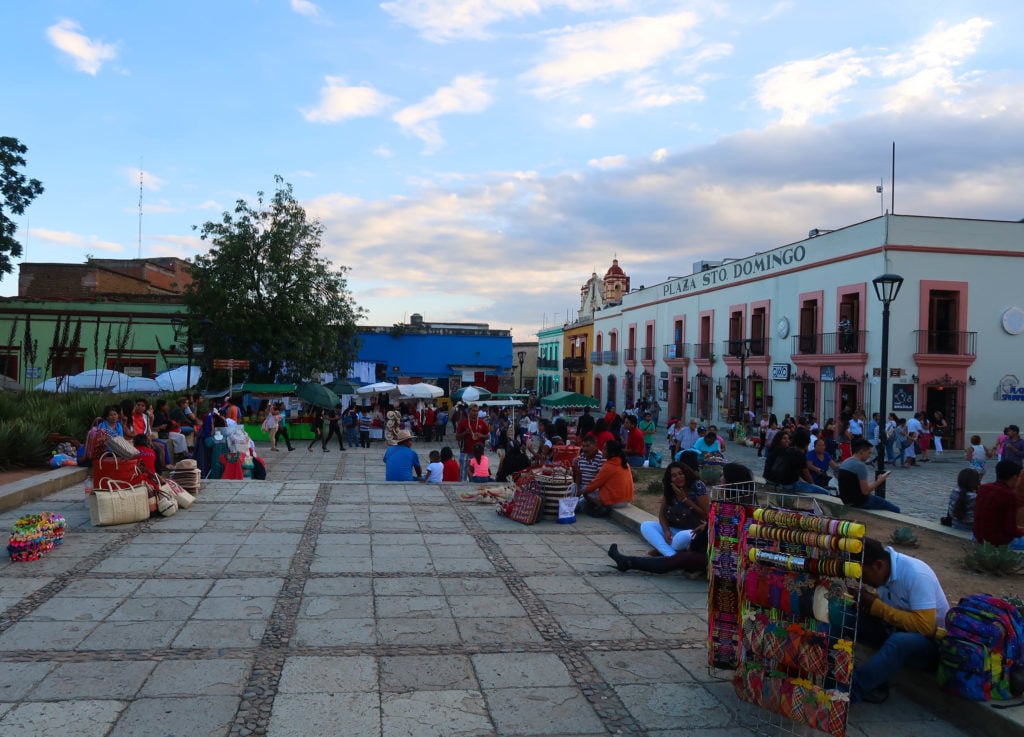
column 876, row 695
column 327, row 450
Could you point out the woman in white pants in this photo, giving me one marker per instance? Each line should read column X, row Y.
column 684, row 511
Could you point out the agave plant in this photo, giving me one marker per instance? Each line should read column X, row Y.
column 997, row 561
column 904, row 536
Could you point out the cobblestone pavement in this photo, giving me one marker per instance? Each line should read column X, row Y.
column 324, row 601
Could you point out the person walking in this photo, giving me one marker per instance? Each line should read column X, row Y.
column 316, row 424
column 364, row 421
column 334, row 427
column 282, row 425
column 350, row 423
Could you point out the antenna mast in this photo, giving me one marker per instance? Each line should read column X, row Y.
column 140, row 207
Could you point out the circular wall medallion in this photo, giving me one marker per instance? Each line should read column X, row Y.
column 1013, row 321
column 782, row 327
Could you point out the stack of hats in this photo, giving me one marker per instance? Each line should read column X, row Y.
column 186, row 474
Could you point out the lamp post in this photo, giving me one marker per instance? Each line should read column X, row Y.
column 740, row 349
column 887, row 288
column 522, row 359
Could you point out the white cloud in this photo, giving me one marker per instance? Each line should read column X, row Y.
column 300, row 174
column 660, row 155
column 87, row 54
column 609, row 162
column 585, row 121
column 209, row 205
column 384, row 152
column 445, row 20
column 599, row 51
column 73, row 240
column 338, row 102
column 809, row 87
column 150, row 180
column 179, row 246
column 648, row 92
column 305, row 7
column 467, row 94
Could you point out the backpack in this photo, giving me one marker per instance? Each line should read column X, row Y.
column 982, row 654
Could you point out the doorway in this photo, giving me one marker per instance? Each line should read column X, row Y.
column 945, row 399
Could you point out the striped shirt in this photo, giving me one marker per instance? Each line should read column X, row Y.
column 588, row 467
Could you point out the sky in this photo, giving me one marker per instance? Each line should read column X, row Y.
column 477, row 160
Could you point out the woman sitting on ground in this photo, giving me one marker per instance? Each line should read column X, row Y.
column 683, row 514
column 515, row 460
column 960, row 512
column 691, row 560
column 613, row 484
column 819, row 463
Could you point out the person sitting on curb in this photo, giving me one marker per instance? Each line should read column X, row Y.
column 860, row 495
column 900, row 618
column 995, row 509
column 683, row 515
column 613, row 485
column 400, row 460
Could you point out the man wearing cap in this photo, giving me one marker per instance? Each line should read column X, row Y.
column 401, row 463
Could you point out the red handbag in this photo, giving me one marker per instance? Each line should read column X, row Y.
column 108, row 466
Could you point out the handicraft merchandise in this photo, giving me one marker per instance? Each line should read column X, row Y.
column 779, row 611
column 35, row 535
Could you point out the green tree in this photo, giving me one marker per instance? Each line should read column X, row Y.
column 16, row 192
column 270, row 296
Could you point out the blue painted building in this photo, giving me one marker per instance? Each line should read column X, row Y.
column 450, row 355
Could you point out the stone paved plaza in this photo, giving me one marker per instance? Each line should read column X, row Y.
column 326, row 602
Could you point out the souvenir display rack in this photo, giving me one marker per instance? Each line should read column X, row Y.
column 781, row 622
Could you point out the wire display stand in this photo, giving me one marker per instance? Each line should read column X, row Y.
column 781, row 623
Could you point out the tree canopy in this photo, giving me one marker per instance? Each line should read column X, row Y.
column 268, row 295
column 16, row 193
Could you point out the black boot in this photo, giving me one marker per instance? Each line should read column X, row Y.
column 622, row 562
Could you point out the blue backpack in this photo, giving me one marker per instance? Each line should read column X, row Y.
column 982, row 654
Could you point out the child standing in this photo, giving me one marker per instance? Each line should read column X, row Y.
column 479, row 466
column 435, row 469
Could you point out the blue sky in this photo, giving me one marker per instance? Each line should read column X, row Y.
column 476, row 160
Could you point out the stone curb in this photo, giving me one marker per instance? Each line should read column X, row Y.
column 16, row 493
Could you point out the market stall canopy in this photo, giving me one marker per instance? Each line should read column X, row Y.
column 140, row 385
column 568, row 400
column 318, row 394
column 420, row 391
column 54, row 384
column 380, row 387
column 501, row 403
column 100, row 379
column 344, row 386
column 268, row 390
column 471, row 394
column 179, row 379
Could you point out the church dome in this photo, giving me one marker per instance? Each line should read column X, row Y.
column 615, row 269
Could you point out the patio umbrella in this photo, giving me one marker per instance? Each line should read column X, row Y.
column 114, row 381
column 141, row 385
column 317, row 394
column 420, row 391
column 54, row 384
column 471, row 394
column 343, row 386
column 178, row 379
column 380, row 387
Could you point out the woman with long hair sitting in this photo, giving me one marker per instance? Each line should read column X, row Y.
column 613, row 484
column 683, row 513
column 960, row 512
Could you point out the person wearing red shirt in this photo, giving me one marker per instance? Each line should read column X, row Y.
column 634, row 442
column 451, row 466
column 470, row 431
column 601, row 434
column 995, row 509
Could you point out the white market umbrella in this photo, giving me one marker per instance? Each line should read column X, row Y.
column 179, row 379
column 471, row 394
column 54, row 384
column 420, row 391
column 381, row 387
column 141, row 385
column 113, row 381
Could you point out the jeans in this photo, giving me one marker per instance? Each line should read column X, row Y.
column 351, row 435
column 653, row 534
column 635, row 461
column 802, row 487
column 1017, row 544
column 900, row 649
column 871, row 501
column 463, row 465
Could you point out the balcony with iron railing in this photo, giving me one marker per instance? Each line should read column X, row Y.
column 747, row 347
column 828, row 344
column 596, row 357
column 946, row 342
column 547, row 364
column 610, row 358
column 647, row 354
column 674, row 351
column 703, row 351
column 629, row 355
column 576, row 365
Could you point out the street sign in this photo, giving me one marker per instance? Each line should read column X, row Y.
column 230, row 363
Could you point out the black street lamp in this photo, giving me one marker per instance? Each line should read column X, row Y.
column 522, row 359
column 887, row 288
column 740, row 349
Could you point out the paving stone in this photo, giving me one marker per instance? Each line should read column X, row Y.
column 130, row 635
column 235, row 608
column 542, row 711
column 671, row 705
column 340, row 586
column 86, row 718
column 224, row 677
column 497, row 630
column 305, row 714
column 315, row 674
column 401, row 673
column 220, row 633
column 492, row 605
column 93, row 680
column 190, row 715
column 630, row 666
column 17, row 679
column 409, row 606
column 173, row 588
column 30, row 635
column 74, row 609
column 154, row 609
column 19, row 588
column 430, row 713
column 337, row 607
column 334, row 632
column 518, row 670
column 417, row 631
